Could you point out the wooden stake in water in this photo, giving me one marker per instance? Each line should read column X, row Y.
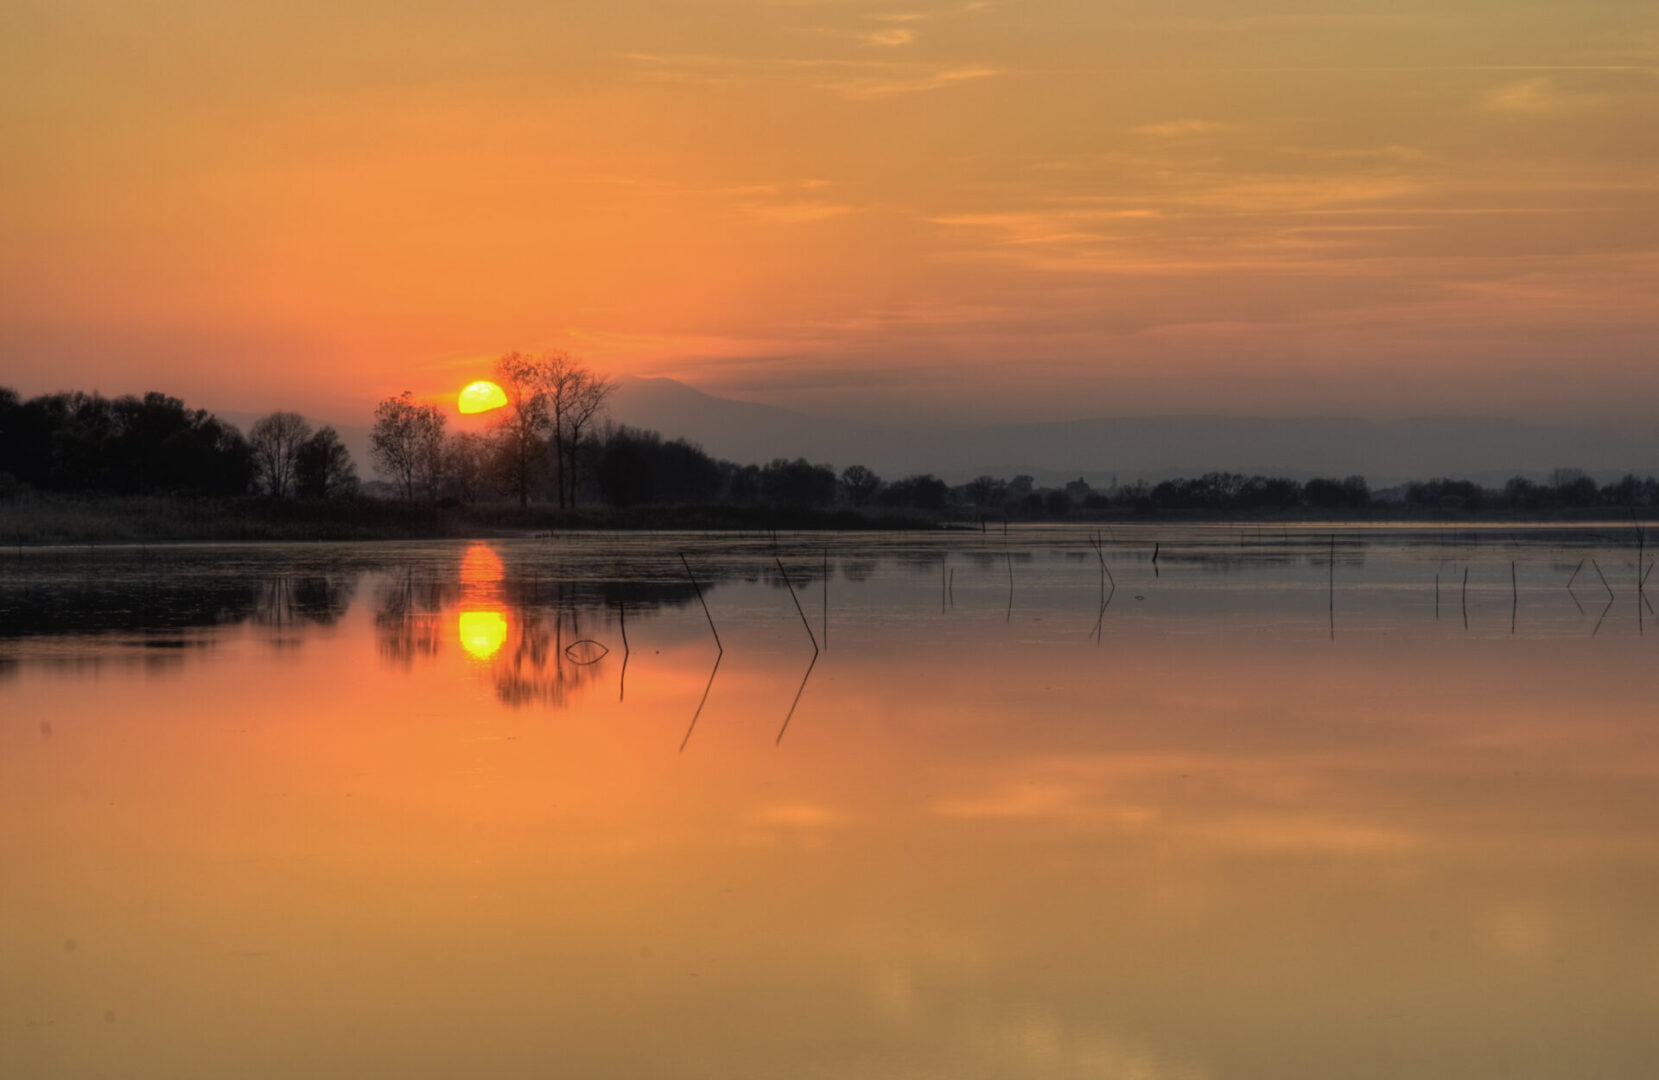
column 705, row 604
column 1465, row 598
column 791, row 587
column 826, row 598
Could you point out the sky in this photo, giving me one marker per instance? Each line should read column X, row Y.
column 972, row 210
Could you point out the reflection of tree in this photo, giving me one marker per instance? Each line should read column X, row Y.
column 407, row 617
column 291, row 600
column 142, row 603
column 533, row 669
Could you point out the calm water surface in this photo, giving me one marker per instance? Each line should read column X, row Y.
column 506, row 809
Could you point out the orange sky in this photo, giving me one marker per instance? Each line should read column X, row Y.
column 1005, row 209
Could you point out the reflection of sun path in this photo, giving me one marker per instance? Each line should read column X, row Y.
column 482, row 624
column 482, row 633
column 481, row 567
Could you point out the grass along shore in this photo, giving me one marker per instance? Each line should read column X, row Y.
column 42, row 519
column 37, row 519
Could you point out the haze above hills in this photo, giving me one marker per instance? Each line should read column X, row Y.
column 1385, row 451
column 1128, row 448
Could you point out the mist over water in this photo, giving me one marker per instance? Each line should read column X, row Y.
column 1217, row 801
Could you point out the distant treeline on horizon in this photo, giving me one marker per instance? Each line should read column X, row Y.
column 85, row 444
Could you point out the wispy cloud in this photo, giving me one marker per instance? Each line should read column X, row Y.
column 1531, row 97
column 1180, row 129
column 1391, row 153
column 798, row 212
column 871, row 87
column 890, row 37
column 855, row 80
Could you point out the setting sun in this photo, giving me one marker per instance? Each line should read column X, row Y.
column 481, row 396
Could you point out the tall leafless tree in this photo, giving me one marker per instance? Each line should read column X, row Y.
column 407, row 444
column 585, row 396
column 276, row 441
column 466, row 464
column 323, row 468
column 551, row 398
column 524, row 420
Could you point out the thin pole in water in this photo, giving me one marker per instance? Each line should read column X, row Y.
column 826, row 598
column 1465, row 598
column 705, row 604
column 791, row 587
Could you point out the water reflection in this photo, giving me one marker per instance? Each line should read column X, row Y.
column 482, row 633
column 537, row 669
column 1186, row 836
column 408, row 616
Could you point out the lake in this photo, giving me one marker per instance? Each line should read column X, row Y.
column 1197, row 802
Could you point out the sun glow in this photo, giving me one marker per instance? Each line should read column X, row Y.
column 481, row 396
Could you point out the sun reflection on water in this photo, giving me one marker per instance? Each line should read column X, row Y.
column 482, row 633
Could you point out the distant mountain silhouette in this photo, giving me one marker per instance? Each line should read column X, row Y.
column 1489, row 449
column 1386, row 452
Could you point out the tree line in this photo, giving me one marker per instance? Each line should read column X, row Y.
column 552, row 443
column 76, row 442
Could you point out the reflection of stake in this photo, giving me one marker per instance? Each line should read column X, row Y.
column 1574, row 578
column 826, row 598
column 798, row 692
column 1514, row 597
column 700, row 600
column 1604, row 612
column 791, row 587
column 1603, row 577
column 1333, row 586
column 1641, row 578
column 717, row 658
column 622, row 683
column 1010, row 557
column 1437, row 594
column 1465, row 598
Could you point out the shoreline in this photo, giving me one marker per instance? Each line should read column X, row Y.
column 46, row 521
